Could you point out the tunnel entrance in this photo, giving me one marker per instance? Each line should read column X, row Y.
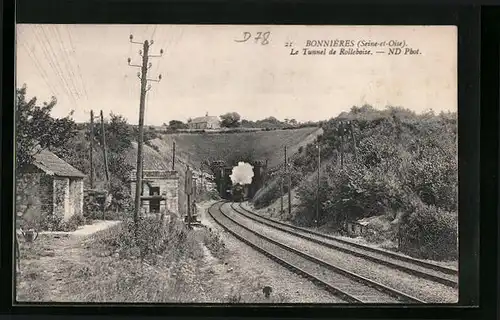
column 238, row 191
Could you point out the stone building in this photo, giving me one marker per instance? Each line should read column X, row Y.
column 53, row 185
column 158, row 182
column 206, row 122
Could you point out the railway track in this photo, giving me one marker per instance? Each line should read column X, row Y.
column 419, row 268
column 350, row 287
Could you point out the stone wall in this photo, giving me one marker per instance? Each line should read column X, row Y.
column 167, row 181
column 61, row 198
column 76, row 195
column 28, row 200
column 172, row 193
column 46, row 194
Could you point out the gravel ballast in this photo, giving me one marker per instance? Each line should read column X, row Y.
column 251, row 266
column 420, row 288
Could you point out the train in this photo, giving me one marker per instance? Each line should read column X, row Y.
column 239, row 193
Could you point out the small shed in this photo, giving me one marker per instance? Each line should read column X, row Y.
column 158, row 183
column 55, row 186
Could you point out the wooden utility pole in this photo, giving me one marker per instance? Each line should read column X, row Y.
column 140, row 141
column 173, row 156
column 319, row 182
column 91, row 149
column 105, row 152
column 353, row 137
column 142, row 176
column 341, row 145
column 188, row 191
column 281, row 190
column 289, row 175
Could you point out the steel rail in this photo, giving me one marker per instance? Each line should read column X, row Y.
column 272, row 223
column 365, row 281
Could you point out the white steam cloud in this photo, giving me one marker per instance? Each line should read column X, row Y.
column 242, row 174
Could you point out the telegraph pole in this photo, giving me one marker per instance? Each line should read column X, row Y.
column 173, row 157
column 281, row 191
column 91, row 149
column 140, row 141
column 319, row 180
column 188, row 191
column 341, row 144
column 289, row 175
column 353, row 137
column 105, row 152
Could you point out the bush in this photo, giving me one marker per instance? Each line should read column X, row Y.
column 50, row 222
column 92, row 207
column 153, row 239
column 430, row 233
column 72, row 224
column 53, row 222
column 271, row 193
column 214, row 243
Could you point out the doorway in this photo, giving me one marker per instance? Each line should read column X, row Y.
column 154, row 204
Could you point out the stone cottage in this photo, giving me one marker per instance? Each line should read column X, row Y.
column 158, row 183
column 206, row 122
column 55, row 187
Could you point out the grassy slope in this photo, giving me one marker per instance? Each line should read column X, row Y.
column 262, row 145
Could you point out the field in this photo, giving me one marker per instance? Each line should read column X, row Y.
column 196, row 148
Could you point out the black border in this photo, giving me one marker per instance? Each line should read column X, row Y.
column 490, row 105
column 258, row 12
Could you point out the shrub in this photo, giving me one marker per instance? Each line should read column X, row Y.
column 153, row 239
column 214, row 243
column 271, row 193
column 72, row 224
column 50, row 222
column 430, row 233
column 92, row 207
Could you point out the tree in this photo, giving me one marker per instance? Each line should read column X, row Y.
column 230, row 120
column 176, row 125
column 119, row 135
column 247, row 123
column 37, row 130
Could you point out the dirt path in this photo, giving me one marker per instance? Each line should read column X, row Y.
column 48, row 263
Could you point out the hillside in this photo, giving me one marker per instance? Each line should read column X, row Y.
column 262, row 145
column 403, row 174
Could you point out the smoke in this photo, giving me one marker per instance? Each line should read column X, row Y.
column 242, row 174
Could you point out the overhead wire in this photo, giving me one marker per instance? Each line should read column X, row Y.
column 49, row 54
column 65, row 60
column 42, row 72
column 48, row 59
column 72, row 55
column 60, row 54
column 52, row 57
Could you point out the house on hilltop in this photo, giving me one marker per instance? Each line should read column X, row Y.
column 55, row 187
column 206, row 122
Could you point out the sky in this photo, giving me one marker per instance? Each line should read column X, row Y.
column 204, row 70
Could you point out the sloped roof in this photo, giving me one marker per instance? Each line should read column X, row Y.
column 205, row 119
column 53, row 165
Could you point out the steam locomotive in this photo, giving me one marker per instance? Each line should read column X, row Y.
column 239, row 193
